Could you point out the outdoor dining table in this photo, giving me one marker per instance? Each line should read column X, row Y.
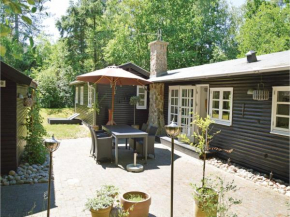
column 127, row 132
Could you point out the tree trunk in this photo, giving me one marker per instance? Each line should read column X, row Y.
column 16, row 36
column 95, row 44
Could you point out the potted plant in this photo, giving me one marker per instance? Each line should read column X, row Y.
column 136, row 203
column 206, row 198
column 134, row 100
column 100, row 206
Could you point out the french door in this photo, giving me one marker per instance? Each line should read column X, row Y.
column 182, row 107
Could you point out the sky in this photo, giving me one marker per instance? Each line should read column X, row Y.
column 58, row 8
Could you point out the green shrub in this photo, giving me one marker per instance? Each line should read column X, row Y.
column 34, row 152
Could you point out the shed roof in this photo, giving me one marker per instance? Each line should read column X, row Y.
column 16, row 76
column 266, row 63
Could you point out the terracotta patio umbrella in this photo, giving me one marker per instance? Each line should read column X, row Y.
column 114, row 76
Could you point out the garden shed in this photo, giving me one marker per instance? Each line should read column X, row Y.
column 86, row 95
column 14, row 91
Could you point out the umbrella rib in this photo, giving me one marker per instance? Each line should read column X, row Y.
column 99, row 79
column 140, row 83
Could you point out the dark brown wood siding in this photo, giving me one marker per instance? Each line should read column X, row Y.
column 86, row 114
column 21, row 119
column 249, row 136
column 8, row 126
column 124, row 112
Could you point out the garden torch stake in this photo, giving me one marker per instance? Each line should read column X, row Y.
column 49, row 183
column 172, row 166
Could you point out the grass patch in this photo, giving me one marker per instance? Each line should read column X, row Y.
column 63, row 131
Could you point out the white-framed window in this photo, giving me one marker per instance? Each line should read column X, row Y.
column 91, row 95
column 81, row 95
column 221, row 105
column 142, row 92
column 281, row 110
column 77, row 95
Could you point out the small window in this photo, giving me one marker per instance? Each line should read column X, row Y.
column 142, row 92
column 221, row 105
column 82, row 95
column 281, row 110
column 91, row 93
column 77, row 95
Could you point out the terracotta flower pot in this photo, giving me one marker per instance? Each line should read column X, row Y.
column 101, row 212
column 139, row 209
column 205, row 203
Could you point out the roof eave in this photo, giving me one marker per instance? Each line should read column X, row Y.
column 264, row 70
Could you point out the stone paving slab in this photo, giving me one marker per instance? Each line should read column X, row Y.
column 77, row 176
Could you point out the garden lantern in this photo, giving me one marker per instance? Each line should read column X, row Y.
column 51, row 145
column 172, row 131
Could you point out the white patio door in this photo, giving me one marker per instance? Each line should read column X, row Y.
column 182, row 107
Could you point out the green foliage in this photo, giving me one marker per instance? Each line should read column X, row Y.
column 99, row 202
column 134, row 197
column 134, row 100
column 96, row 105
column 203, row 136
column 109, row 190
column 34, row 152
column 266, row 28
column 103, row 199
column 214, row 199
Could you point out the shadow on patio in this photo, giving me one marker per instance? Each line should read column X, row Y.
column 126, row 156
column 24, row 200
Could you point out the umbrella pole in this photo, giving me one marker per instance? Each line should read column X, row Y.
column 113, row 100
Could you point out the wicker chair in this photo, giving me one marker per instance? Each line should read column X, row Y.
column 150, row 144
column 131, row 141
column 102, row 147
column 99, row 133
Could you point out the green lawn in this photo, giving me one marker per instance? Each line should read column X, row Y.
column 63, row 131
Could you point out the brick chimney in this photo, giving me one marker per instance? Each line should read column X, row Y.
column 158, row 58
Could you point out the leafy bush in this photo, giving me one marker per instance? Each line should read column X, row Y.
column 109, row 190
column 99, row 202
column 34, row 152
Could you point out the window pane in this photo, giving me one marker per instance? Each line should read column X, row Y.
column 216, row 95
column 226, row 105
column 283, row 96
column 172, row 101
column 142, row 96
column 216, row 104
column 282, row 122
column 227, row 95
column 176, row 93
column 172, row 93
column 141, row 90
column 283, row 109
column 176, row 101
column 184, row 93
column 226, row 115
column 141, row 103
column 215, row 113
column 176, row 110
column 183, row 111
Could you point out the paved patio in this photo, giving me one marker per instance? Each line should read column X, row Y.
column 77, row 176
